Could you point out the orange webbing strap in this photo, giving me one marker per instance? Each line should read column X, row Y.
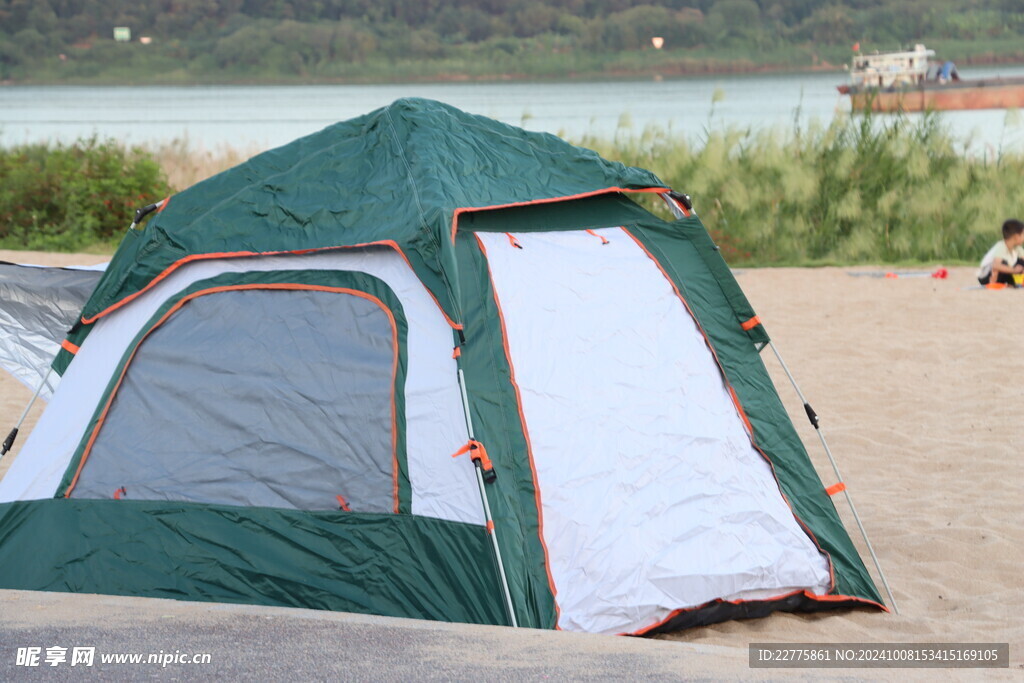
column 342, row 503
column 477, row 453
column 457, row 352
column 513, row 241
column 69, row 347
column 120, row 492
column 835, row 488
column 751, row 324
column 604, row 240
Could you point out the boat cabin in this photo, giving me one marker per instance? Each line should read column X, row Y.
column 890, row 69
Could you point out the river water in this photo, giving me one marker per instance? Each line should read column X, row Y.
column 253, row 118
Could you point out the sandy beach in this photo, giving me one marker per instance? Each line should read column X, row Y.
column 912, row 379
column 916, row 381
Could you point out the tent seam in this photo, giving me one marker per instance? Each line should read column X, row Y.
column 431, row 235
column 409, row 173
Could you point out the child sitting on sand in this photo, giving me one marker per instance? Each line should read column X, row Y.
column 1006, row 257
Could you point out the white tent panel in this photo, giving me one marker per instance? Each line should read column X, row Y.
column 442, row 487
column 653, row 497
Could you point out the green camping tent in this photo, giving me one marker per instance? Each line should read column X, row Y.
column 424, row 364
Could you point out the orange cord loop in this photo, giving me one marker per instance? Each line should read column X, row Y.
column 835, row 488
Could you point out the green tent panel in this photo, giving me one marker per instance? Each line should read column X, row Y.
column 425, row 364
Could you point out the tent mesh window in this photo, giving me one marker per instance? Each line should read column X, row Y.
column 256, row 398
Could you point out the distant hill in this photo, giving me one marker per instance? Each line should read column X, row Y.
column 178, row 41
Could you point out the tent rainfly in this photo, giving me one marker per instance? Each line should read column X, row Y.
column 425, row 364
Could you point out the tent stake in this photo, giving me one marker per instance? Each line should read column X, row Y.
column 9, row 441
column 491, row 531
column 813, row 417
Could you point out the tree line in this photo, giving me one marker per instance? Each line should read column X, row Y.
column 53, row 39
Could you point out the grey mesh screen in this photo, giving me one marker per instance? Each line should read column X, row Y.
column 276, row 398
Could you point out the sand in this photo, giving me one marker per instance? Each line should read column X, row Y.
column 917, row 382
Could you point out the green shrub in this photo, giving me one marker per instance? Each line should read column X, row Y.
column 72, row 197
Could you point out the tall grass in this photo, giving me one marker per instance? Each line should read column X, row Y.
column 859, row 190
column 185, row 162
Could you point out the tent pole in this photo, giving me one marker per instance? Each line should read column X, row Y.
column 813, row 417
column 9, row 441
column 491, row 531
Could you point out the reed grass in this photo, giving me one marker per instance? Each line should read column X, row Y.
column 186, row 162
column 861, row 189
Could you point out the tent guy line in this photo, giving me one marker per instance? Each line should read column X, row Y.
column 13, row 434
column 813, row 419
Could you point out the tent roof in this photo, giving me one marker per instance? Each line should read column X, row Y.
column 397, row 175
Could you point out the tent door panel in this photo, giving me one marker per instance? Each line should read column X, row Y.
column 652, row 496
column 274, row 398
